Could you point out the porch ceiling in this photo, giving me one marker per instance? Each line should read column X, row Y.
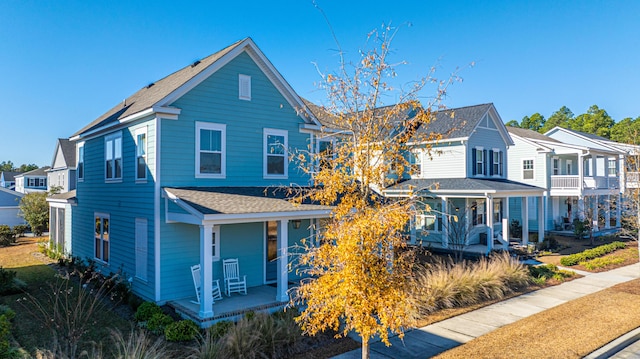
column 468, row 187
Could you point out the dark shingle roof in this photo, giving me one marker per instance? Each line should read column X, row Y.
column 9, row 176
column 530, row 134
column 238, row 200
column 37, row 172
column 68, row 151
column 457, row 122
column 149, row 95
column 65, row 196
column 463, row 184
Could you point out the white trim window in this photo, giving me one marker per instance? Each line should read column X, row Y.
column 101, row 237
column 141, row 154
column 569, row 163
column 215, row 244
column 479, row 159
column 80, row 165
column 244, row 87
column 611, row 167
column 326, row 153
column 113, row 157
column 555, row 163
column 478, row 209
column 211, row 146
column 527, row 169
column 415, row 161
column 276, row 154
column 496, row 162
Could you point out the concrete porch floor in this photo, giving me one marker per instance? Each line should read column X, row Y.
column 258, row 299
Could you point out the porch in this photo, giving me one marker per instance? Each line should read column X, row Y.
column 258, row 299
column 574, row 182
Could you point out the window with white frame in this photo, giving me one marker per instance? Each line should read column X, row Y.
column 275, row 153
column 80, row 166
column 244, row 87
column 527, row 169
column 556, row 166
column 569, row 163
column 497, row 210
column 478, row 161
column 612, row 167
column 210, row 150
column 325, row 153
column 141, row 154
column 478, row 212
column 215, row 244
column 496, row 162
column 415, row 160
column 101, row 237
column 113, row 156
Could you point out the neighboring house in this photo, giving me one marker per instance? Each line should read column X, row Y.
column 62, row 173
column 466, row 176
column 32, row 181
column 9, row 207
column 7, row 179
column 188, row 170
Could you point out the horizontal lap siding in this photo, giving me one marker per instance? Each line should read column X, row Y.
column 123, row 202
column 216, row 100
column 446, row 162
column 296, row 247
column 521, row 151
column 488, row 139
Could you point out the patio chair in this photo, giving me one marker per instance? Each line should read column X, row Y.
column 195, row 273
column 232, row 281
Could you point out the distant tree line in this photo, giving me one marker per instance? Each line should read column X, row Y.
column 8, row 166
column 595, row 121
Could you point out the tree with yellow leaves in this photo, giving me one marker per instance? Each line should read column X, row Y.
column 359, row 269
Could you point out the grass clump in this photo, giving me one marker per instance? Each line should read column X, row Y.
column 137, row 345
column 447, row 285
column 542, row 273
column 589, row 254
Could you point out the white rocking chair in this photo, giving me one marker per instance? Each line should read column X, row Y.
column 195, row 273
column 232, row 281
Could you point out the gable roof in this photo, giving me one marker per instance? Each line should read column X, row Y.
column 9, row 175
column 37, row 172
column 530, row 134
column 156, row 96
column 595, row 139
column 68, row 149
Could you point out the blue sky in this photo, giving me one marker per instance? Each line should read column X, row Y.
column 64, row 63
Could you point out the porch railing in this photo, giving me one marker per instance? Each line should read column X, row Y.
column 633, row 179
column 573, row 182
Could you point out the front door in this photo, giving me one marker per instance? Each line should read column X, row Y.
column 271, row 251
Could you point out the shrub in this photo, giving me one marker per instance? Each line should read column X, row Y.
column 515, row 228
column 7, row 312
column 581, row 228
column 35, row 210
column 219, row 329
column 599, row 251
column 146, row 310
column 7, row 236
column 602, row 262
column 542, row 273
column 181, row 331
column 9, row 284
column 20, row 230
column 158, row 322
column 5, row 333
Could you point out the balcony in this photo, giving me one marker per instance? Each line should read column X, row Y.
column 570, row 182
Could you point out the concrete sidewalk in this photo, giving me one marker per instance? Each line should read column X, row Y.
column 438, row 337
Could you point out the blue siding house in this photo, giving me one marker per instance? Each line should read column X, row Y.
column 463, row 182
column 193, row 169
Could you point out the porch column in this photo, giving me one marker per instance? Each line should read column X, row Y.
column 505, row 219
column 489, row 223
column 525, row 220
column 581, row 207
column 594, row 214
column 541, row 219
column 206, row 272
column 619, row 211
column 412, row 228
column 445, row 223
column 594, row 167
column 581, row 172
column 283, row 258
column 607, row 214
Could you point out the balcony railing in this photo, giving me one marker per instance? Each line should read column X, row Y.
column 633, row 179
column 573, row 182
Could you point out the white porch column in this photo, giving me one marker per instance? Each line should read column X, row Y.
column 445, row 223
column 206, row 272
column 618, row 210
column 581, row 208
column 541, row 219
column 581, row 171
column 607, row 214
column 594, row 166
column 525, row 220
column 594, row 214
column 505, row 219
column 283, row 258
column 489, row 223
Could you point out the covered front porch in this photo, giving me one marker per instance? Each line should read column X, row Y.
column 256, row 226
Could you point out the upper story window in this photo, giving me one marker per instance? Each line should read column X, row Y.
column 113, row 156
column 141, row 154
column 415, row 160
column 275, row 153
column 527, row 169
column 612, row 167
column 244, row 87
column 210, row 150
column 495, row 157
column 478, row 158
column 101, row 237
column 80, row 166
column 325, row 153
column 556, row 166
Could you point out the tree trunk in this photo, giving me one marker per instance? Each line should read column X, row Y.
column 365, row 348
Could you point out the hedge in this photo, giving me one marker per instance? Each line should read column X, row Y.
column 596, row 252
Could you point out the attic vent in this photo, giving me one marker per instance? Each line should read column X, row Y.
column 150, row 85
column 195, row 63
